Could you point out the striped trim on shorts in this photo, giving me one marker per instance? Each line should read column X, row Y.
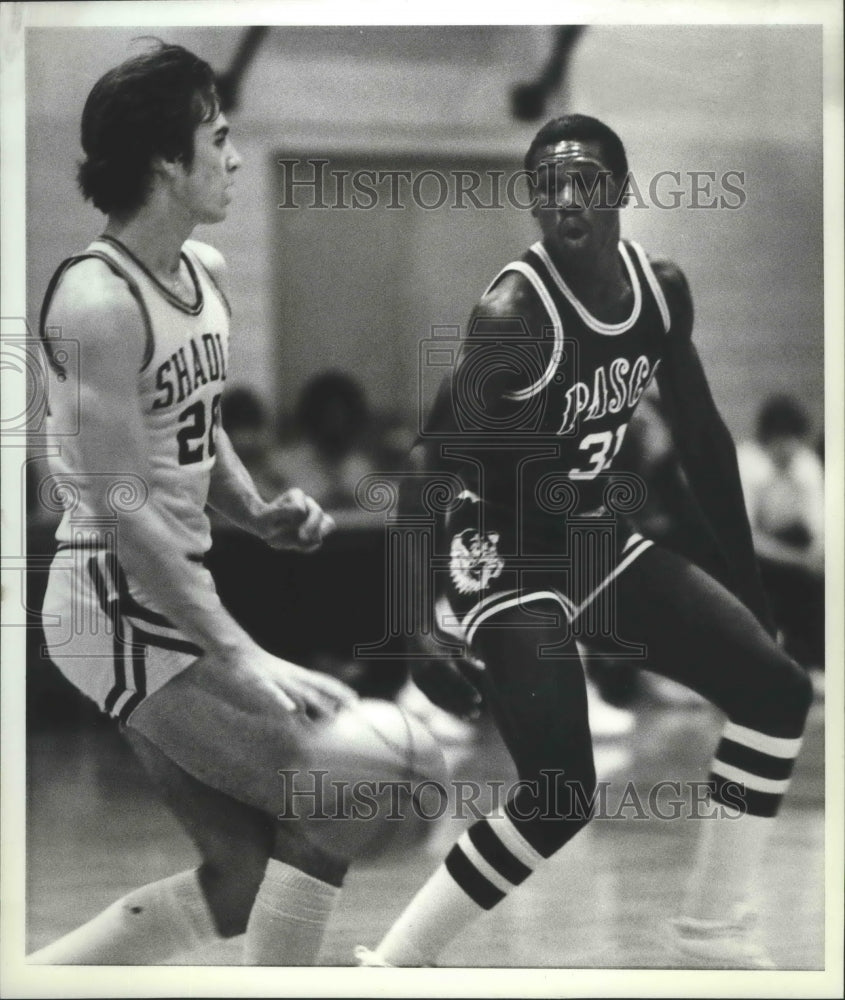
column 500, row 601
column 111, row 647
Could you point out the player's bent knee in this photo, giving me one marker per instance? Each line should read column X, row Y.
column 791, row 696
column 779, row 705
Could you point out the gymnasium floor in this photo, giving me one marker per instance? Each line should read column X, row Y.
column 96, row 830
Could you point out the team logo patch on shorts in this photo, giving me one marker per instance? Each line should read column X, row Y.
column 475, row 560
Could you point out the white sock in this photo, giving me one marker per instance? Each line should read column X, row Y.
column 289, row 917
column 726, row 875
column 433, row 918
column 489, row 859
column 145, row 927
column 731, row 846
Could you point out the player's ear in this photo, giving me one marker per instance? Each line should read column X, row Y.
column 165, row 168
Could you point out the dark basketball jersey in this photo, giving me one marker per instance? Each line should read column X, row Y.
column 533, row 424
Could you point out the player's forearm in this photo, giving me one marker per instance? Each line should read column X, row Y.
column 232, row 491
column 709, row 459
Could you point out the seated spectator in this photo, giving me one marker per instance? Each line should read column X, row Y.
column 783, row 482
column 331, row 455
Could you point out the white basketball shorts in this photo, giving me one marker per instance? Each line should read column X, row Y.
column 109, row 646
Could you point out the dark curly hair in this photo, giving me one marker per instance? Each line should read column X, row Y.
column 148, row 106
column 586, row 129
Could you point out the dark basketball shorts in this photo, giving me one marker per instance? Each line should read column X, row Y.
column 493, row 567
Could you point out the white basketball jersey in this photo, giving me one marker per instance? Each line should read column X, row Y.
column 179, row 388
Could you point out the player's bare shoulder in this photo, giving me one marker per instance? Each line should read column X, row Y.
column 95, row 306
column 676, row 290
column 511, row 300
column 509, row 317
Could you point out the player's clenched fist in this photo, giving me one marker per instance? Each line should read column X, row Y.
column 295, row 521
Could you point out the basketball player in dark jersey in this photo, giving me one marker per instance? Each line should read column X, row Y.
column 132, row 616
column 540, row 559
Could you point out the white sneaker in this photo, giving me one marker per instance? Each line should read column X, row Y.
column 719, row 944
column 366, row 959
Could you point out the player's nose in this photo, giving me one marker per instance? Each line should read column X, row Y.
column 233, row 161
column 569, row 197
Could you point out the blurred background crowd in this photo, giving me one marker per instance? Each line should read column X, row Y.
column 332, row 308
column 315, row 609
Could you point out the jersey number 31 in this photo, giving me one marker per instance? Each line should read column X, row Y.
column 602, row 448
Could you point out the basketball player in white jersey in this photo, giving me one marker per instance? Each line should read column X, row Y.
column 131, row 615
column 541, row 559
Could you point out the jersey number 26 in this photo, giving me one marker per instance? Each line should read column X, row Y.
column 192, row 436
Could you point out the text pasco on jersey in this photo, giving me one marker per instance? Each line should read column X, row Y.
column 615, row 388
column 188, row 368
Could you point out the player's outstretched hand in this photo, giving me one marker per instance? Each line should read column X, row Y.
column 308, row 691
column 257, row 680
column 294, row 521
column 451, row 683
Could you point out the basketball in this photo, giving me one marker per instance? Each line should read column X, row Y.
column 374, row 780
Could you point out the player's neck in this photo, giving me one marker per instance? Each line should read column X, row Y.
column 594, row 277
column 154, row 238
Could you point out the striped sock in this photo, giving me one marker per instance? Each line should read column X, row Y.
column 489, row 860
column 761, row 765
column 751, row 769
